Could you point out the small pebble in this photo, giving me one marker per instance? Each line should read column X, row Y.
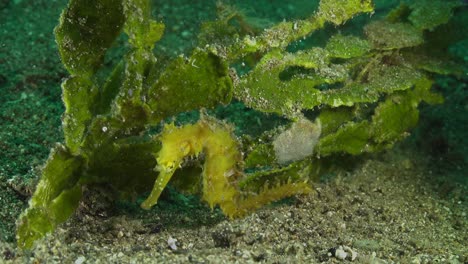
column 80, row 260
column 343, row 253
column 171, row 242
column 340, row 253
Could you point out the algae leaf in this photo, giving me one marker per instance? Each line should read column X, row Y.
column 385, row 35
column 338, row 11
column 55, row 199
column 86, row 30
column 346, row 47
column 427, row 14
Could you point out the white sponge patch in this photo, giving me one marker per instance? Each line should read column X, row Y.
column 298, row 141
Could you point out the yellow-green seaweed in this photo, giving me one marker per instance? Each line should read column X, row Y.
column 365, row 90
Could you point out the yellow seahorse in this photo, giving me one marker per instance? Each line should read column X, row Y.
column 221, row 170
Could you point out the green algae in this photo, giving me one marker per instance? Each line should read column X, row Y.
column 104, row 126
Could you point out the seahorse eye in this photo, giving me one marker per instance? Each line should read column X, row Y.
column 169, row 166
